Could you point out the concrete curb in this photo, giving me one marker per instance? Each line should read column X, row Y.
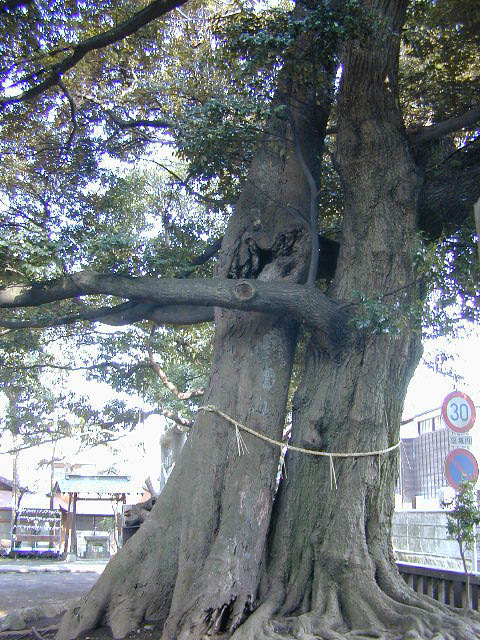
column 44, row 614
column 52, row 569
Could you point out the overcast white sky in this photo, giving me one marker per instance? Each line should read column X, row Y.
column 427, row 388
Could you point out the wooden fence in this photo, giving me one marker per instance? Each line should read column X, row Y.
column 448, row 587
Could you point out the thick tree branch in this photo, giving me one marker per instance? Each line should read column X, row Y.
column 61, row 289
column 180, row 315
column 130, row 26
column 449, row 193
column 149, row 485
column 309, row 306
column 130, row 312
column 117, row 317
column 177, row 315
column 175, row 417
column 73, row 115
column 181, row 395
column 441, row 129
column 135, row 124
column 101, row 314
column 313, row 268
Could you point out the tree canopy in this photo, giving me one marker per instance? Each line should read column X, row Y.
column 141, row 124
column 286, row 174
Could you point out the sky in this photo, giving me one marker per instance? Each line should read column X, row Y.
column 428, row 388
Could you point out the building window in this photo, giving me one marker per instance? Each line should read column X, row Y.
column 425, row 426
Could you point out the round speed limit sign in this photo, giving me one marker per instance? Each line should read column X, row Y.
column 458, row 412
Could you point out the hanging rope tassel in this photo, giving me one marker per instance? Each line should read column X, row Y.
column 242, row 447
column 333, row 477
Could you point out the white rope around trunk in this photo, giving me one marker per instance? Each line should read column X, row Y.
column 242, row 447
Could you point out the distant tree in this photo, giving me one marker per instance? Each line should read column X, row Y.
column 461, row 521
column 109, row 525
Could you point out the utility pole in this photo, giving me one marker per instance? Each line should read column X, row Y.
column 52, row 475
column 15, row 492
column 12, row 396
column 476, row 214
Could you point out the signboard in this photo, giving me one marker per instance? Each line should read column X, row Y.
column 460, row 465
column 458, row 412
column 459, row 440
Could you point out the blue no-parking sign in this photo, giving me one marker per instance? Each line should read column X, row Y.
column 460, row 465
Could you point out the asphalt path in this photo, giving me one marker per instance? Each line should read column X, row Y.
column 19, row 590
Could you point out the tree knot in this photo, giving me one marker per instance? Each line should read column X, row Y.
column 244, row 291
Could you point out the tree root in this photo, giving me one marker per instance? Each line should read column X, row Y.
column 362, row 612
column 207, row 618
column 259, row 625
column 127, row 588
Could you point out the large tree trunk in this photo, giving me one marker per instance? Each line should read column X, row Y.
column 195, row 564
column 198, row 565
column 330, row 567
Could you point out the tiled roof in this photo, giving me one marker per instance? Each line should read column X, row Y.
column 5, row 484
column 72, row 483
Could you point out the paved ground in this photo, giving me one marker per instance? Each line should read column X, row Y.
column 27, row 584
column 51, row 566
column 20, row 590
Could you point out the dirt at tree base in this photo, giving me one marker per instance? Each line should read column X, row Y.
column 150, row 631
column 146, row 632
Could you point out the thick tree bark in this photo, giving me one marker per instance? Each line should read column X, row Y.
column 199, row 573
column 199, row 563
column 330, row 567
column 201, row 570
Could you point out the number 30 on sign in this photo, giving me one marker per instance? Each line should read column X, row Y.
column 458, row 412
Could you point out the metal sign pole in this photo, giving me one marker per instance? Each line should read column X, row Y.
column 475, row 553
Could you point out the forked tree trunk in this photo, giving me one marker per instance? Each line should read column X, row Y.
column 330, row 566
column 195, row 564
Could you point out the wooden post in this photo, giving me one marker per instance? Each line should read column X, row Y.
column 69, row 524
column 119, row 520
column 15, row 502
column 73, row 546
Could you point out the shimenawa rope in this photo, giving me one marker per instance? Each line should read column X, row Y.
column 242, row 447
